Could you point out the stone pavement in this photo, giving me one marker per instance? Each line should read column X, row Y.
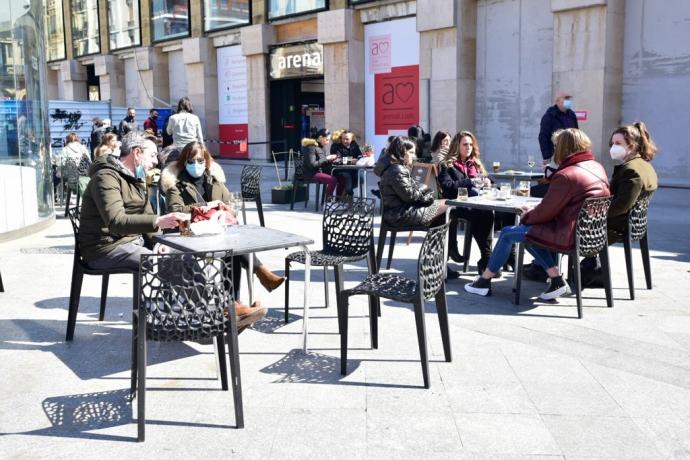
column 529, row 381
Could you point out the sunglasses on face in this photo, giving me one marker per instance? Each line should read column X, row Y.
column 200, row 161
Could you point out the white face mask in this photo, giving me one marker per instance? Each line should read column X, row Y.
column 618, row 153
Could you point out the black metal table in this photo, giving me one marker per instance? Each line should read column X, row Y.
column 247, row 239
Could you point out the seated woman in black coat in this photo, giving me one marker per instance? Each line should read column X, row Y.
column 464, row 169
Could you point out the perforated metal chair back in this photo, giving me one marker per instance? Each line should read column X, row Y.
column 348, row 226
column 183, row 296
column 591, row 229
column 637, row 217
column 250, row 181
column 74, row 218
column 431, row 263
column 298, row 174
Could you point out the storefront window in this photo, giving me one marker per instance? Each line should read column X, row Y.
column 85, row 27
column 221, row 14
column 54, row 26
column 170, row 19
column 25, row 166
column 123, row 23
column 279, row 8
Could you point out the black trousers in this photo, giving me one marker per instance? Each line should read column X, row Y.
column 481, row 224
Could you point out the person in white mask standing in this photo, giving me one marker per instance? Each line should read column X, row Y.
column 632, row 150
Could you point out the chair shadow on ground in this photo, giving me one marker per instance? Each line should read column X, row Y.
column 76, row 416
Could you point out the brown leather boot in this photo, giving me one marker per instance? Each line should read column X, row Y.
column 267, row 278
column 246, row 316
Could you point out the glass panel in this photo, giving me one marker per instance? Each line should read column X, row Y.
column 220, row 14
column 25, row 167
column 85, row 38
column 123, row 23
column 170, row 19
column 280, row 8
column 54, row 30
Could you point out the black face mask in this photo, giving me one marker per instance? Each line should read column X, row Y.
column 153, row 117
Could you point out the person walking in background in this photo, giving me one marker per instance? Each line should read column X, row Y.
column 439, row 147
column 128, row 123
column 97, row 132
column 317, row 165
column 558, row 116
column 75, row 151
column 150, row 123
column 184, row 126
column 552, row 222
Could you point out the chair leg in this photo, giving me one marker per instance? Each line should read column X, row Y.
column 141, row 387
column 644, row 249
column 339, row 285
column 442, row 310
column 381, row 245
column 244, row 212
column 325, row 285
column 343, row 318
column 318, row 196
column 606, row 271
column 306, row 201
column 374, row 313
column 67, row 200
column 467, row 245
column 421, row 338
column 629, row 265
column 135, row 332
column 287, row 289
column 518, row 272
column 371, row 257
column 260, row 210
column 409, row 238
column 75, row 293
column 575, row 263
column 391, row 245
column 2, row 287
column 236, row 379
column 220, row 345
column 104, row 296
column 294, row 195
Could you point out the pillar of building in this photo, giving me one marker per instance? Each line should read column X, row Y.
column 202, row 85
column 111, row 76
column 447, row 64
column 153, row 89
column 592, row 68
column 72, row 81
column 342, row 35
column 52, row 77
column 255, row 42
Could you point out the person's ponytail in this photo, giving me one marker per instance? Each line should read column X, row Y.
column 646, row 146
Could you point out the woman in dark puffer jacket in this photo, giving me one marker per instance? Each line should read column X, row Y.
column 552, row 222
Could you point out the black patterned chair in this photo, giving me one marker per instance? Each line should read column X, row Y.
column 250, row 190
column 386, row 228
column 427, row 285
column 590, row 240
column 299, row 180
column 637, row 231
column 79, row 269
column 348, row 236
column 70, row 177
column 185, row 296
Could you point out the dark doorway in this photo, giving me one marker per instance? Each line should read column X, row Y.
column 93, row 83
column 296, row 110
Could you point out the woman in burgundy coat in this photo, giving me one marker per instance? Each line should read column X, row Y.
column 552, row 222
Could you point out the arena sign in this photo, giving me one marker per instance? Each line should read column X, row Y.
column 297, row 61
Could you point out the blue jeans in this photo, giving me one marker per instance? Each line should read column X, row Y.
column 512, row 235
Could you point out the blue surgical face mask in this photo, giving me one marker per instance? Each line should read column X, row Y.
column 195, row 169
column 139, row 172
column 568, row 104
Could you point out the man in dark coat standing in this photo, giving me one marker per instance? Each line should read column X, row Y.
column 558, row 116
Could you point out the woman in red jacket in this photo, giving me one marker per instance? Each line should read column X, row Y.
column 552, row 222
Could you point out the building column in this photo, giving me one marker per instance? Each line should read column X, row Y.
column 255, row 42
column 202, row 85
column 342, row 35
column 591, row 69
column 153, row 89
column 447, row 64
column 111, row 75
column 72, row 81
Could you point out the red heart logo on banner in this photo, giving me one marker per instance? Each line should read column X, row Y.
column 404, row 91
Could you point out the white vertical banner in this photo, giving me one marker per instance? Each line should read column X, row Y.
column 233, row 103
column 391, row 81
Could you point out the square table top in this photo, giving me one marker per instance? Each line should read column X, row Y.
column 512, row 205
column 242, row 239
column 517, row 175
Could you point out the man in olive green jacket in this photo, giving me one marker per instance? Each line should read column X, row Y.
column 116, row 211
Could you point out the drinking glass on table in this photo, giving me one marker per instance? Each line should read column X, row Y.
column 496, row 165
column 505, row 190
column 462, row 194
column 523, row 188
column 530, row 162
